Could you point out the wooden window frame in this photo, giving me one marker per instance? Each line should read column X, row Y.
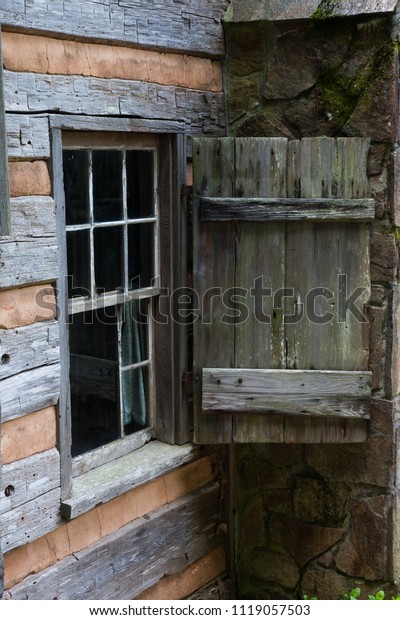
column 5, row 223
column 170, row 423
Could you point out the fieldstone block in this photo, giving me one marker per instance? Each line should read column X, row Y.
column 393, row 361
column 269, row 566
column 323, row 583
column 288, row 73
column 376, row 159
column 384, row 257
column 256, row 474
column 364, row 553
column 374, row 114
column 302, row 540
column 278, row 501
column 376, row 345
column 370, row 463
column 315, row 500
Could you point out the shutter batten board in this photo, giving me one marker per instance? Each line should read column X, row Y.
column 304, row 393
column 300, row 213
column 286, row 209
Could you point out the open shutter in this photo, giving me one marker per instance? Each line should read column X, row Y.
column 281, row 272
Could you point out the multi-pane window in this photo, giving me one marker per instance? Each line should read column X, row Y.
column 111, row 211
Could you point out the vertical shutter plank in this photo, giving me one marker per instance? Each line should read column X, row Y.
column 328, row 168
column 213, row 267
column 260, row 252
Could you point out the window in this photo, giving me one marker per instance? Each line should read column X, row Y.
column 111, row 209
column 121, row 234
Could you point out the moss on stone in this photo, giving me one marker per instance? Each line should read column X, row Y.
column 340, row 94
column 325, row 9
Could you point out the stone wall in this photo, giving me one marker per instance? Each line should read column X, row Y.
column 318, row 519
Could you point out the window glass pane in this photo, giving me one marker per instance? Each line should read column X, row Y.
column 134, row 333
column 76, row 186
column 78, row 258
column 141, row 255
column 107, row 186
column 140, row 183
column 109, row 258
column 135, row 397
column 93, row 379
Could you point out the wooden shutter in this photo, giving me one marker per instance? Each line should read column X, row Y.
column 286, row 215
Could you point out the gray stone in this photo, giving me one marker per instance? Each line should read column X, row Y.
column 364, row 552
column 269, row 566
column 323, row 583
column 302, row 540
column 256, row 10
column 317, row 501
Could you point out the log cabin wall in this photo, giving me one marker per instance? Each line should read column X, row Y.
column 321, row 519
column 96, row 60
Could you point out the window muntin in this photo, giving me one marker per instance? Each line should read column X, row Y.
column 112, row 255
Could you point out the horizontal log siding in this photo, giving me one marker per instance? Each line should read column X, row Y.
column 189, row 27
column 106, row 519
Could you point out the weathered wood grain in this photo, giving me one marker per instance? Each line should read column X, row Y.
column 29, row 255
column 203, row 112
column 29, row 391
column 29, row 478
column 319, row 332
column 176, row 26
column 5, row 222
column 28, row 347
column 128, row 125
column 28, row 136
column 286, row 210
column 112, row 451
column 303, row 393
column 135, row 557
column 124, row 474
column 260, row 259
column 30, row 521
column 213, row 275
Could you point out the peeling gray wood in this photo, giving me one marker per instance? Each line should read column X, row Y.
column 28, row 479
column 129, row 125
column 30, row 254
column 260, row 253
column 28, row 136
column 286, row 209
column 124, row 474
column 177, row 26
column 5, row 222
column 30, row 521
column 137, row 556
column 28, row 347
column 302, row 393
column 213, row 273
column 112, row 451
column 203, row 112
column 30, row 262
column 280, row 10
column 313, row 254
column 29, row 391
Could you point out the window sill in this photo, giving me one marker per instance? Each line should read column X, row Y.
column 104, row 483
